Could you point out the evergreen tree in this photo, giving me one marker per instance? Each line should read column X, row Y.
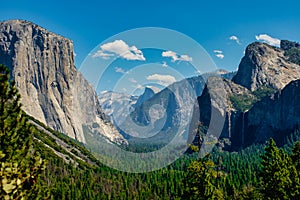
column 201, row 181
column 20, row 165
column 296, row 156
column 277, row 174
column 295, row 171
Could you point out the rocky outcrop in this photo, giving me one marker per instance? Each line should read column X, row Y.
column 52, row 90
column 218, row 113
column 265, row 65
column 148, row 93
column 163, row 115
column 275, row 116
column 249, row 116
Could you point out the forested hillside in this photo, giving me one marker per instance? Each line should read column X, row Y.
column 39, row 163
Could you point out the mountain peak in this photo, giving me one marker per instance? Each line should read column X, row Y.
column 52, row 90
column 265, row 65
column 24, row 26
column 148, row 93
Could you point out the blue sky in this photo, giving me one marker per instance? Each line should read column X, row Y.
column 210, row 23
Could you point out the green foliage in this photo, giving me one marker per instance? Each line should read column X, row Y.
column 293, row 55
column 20, row 165
column 224, row 175
column 202, row 181
column 279, row 176
column 296, row 156
column 249, row 193
column 262, row 92
column 243, row 102
column 253, row 173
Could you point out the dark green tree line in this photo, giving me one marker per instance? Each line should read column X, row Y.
column 20, row 165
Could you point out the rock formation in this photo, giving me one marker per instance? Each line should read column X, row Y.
column 148, row 93
column 253, row 114
column 265, row 65
column 275, row 116
column 52, row 89
column 218, row 113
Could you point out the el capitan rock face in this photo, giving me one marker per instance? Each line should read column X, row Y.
column 52, row 90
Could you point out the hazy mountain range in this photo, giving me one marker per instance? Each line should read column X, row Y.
column 258, row 103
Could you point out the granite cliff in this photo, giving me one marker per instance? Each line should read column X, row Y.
column 53, row 91
column 262, row 100
column 265, row 65
column 275, row 116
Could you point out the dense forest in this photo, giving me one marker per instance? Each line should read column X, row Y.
column 30, row 169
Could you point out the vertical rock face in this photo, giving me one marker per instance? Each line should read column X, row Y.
column 275, row 116
column 148, row 93
column 217, row 112
column 265, row 65
column 52, row 90
column 253, row 118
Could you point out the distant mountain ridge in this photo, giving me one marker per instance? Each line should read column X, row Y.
column 261, row 100
column 117, row 105
column 148, row 93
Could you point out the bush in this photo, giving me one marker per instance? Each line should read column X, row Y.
column 242, row 102
column 293, row 55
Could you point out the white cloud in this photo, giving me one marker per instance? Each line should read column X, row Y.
column 164, row 64
column 218, row 51
column 219, row 54
column 132, row 80
column 119, row 48
column 161, row 79
column 176, row 57
column 155, row 89
column 235, row 38
column 103, row 55
column 268, row 39
column 120, row 70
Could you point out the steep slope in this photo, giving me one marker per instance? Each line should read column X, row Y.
column 148, row 93
column 265, row 65
column 254, row 112
column 52, row 90
column 175, row 102
column 166, row 111
column 275, row 116
column 219, row 113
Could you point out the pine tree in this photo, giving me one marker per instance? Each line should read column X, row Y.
column 20, row 165
column 277, row 174
column 296, row 156
column 201, row 181
column 295, row 171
